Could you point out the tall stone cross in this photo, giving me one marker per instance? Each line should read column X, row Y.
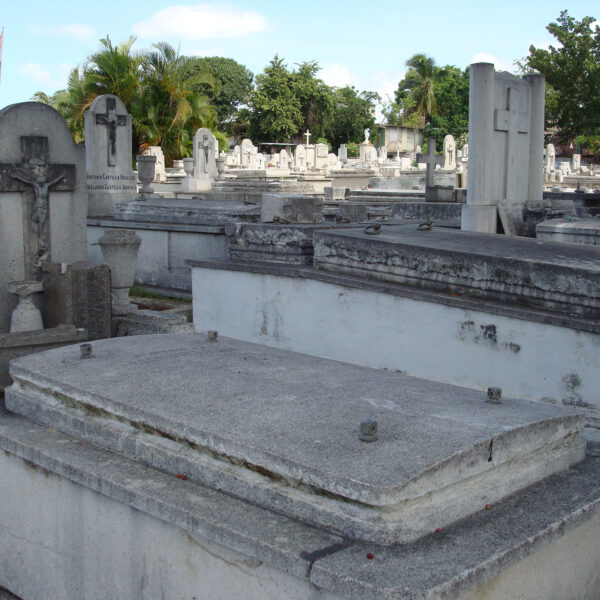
column 307, row 136
column 111, row 120
column 513, row 123
column 34, row 176
column 430, row 159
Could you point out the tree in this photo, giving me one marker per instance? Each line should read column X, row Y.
column 572, row 71
column 418, row 86
column 439, row 94
column 234, row 85
column 276, row 109
column 352, row 115
column 168, row 110
column 451, row 90
column 315, row 97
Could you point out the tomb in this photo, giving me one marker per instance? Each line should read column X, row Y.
column 165, row 437
column 109, row 176
column 506, row 136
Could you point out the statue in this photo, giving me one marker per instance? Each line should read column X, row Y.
column 367, row 137
column 37, row 178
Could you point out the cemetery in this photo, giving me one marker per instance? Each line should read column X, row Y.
column 388, row 387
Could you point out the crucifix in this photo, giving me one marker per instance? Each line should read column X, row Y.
column 514, row 123
column 307, row 136
column 431, row 160
column 111, row 120
column 34, row 176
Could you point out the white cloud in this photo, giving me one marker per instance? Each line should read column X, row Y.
column 52, row 78
column 337, row 75
column 201, row 22
column 75, row 30
column 500, row 64
column 36, row 72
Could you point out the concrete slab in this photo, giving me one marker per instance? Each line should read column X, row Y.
column 280, row 429
column 558, row 277
column 188, row 211
column 541, row 541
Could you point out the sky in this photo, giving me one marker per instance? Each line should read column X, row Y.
column 360, row 43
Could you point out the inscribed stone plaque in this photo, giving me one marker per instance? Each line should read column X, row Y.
column 43, row 202
column 110, row 177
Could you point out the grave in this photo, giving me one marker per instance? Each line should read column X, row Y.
column 506, row 135
column 570, row 230
column 164, row 437
column 43, row 208
column 160, row 173
column 205, row 168
column 434, row 193
column 110, row 178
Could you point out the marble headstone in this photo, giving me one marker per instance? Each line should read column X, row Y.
column 43, row 197
column 300, row 158
column 506, row 134
column 284, row 159
column 550, row 158
column 449, row 153
column 109, row 175
column 321, row 152
column 205, row 154
column 576, row 162
column 342, row 153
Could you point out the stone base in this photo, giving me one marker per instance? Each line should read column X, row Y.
column 71, row 513
column 202, row 184
column 438, row 193
column 480, row 218
column 572, row 231
column 13, row 345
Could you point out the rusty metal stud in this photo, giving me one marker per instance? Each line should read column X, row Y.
column 368, row 430
column 85, row 350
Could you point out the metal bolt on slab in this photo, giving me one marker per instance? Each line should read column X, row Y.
column 494, row 394
column 368, row 430
column 85, row 350
column 212, row 336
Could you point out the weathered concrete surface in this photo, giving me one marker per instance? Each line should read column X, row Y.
column 199, row 407
column 578, row 231
column 13, row 345
column 456, row 339
column 286, row 243
column 164, row 250
column 557, row 277
column 187, row 211
column 161, row 536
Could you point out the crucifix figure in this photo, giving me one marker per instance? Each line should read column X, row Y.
column 111, row 120
column 36, row 175
column 307, row 136
column 514, row 123
column 205, row 146
column 431, row 160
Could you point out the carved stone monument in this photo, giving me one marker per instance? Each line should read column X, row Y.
column 43, row 202
column 449, row 153
column 550, row 158
column 506, row 134
column 109, row 176
column 205, row 166
column 160, row 174
column 300, row 158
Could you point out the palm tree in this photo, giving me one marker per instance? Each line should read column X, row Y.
column 420, row 81
column 114, row 70
column 169, row 110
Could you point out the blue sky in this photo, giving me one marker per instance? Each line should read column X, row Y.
column 355, row 42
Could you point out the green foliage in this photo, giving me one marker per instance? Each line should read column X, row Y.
column 352, row 149
column 440, row 94
column 233, row 89
column 276, row 110
column 352, row 115
column 572, row 71
column 157, row 87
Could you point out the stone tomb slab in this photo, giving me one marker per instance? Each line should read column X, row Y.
column 280, row 429
column 189, row 211
column 557, row 277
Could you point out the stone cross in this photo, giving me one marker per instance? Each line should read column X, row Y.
column 430, row 159
column 111, row 120
column 35, row 177
column 513, row 123
column 307, row 136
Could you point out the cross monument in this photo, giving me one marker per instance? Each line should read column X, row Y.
column 430, row 159
column 111, row 120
